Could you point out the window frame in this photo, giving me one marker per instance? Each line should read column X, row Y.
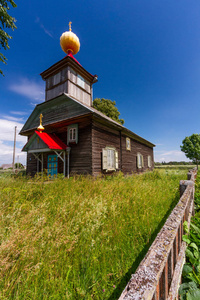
column 128, row 144
column 110, row 165
column 72, row 134
column 149, row 161
column 140, row 161
column 80, row 81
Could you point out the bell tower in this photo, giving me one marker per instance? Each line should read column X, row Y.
column 67, row 75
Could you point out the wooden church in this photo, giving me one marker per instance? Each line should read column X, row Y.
column 73, row 137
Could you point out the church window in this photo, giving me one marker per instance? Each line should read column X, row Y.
column 140, row 161
column 128, row 144
column 72, row 134
column 109, row 159
column 81, row 81
column 149, row 161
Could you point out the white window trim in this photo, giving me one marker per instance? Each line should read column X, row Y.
column 72, row 134
column 140, row 161
column 105, row 157
column 80, row 81
column 128, row 144
column 149, row 161
column 74, row 129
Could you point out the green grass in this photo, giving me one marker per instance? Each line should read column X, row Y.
column 175, row 167
column 79, row 238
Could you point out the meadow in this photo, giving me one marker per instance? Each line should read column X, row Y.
column 79, row 238
column 174, row 167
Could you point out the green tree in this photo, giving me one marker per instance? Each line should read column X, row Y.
column 19, row 166
column 108, row 108
column 191, row 147
column 6, row 22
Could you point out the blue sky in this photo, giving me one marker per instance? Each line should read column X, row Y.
column 146, row 54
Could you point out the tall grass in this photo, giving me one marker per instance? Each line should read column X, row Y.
column 79, row 238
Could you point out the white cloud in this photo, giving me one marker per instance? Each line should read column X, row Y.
column 172, row 155
column 6, row 154
column 7, row 141
column 7, row 130
column 19, row 113
column 11, row 118
column 44, row 28
column 28, row 88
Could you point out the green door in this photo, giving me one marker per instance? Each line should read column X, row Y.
column 52, row 166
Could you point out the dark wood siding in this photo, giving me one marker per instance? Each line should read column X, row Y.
column 102, row 136
column 129, row 158
column 31, row 165
column 81, row 153
column 55, row 110
column 86, row 155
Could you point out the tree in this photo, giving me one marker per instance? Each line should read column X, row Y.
column 6, row 21
column 108, row 108
column 19, row 166
column 191, row 148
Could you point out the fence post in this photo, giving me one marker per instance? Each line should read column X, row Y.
column 183, row 185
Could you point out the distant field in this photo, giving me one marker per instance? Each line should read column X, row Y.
column 10, row 171
column 173, row 167
column 79, row 238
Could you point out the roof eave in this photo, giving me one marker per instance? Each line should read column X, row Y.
column 66, row 61
column 125, row 130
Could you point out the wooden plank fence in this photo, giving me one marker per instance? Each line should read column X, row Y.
column 159, row 274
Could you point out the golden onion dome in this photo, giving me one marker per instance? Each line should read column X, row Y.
column 69, row 41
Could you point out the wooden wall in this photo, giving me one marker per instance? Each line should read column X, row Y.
column 86, row 155
column 31, row 165
column 129, row 158
column 81, row 153
column 103, row 136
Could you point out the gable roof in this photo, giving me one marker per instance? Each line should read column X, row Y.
column 63, row 108
column 57, row 109
column 51, row 141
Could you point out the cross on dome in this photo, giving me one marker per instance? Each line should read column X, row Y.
column 40, row 127
column 69, row 41
column 70, row 27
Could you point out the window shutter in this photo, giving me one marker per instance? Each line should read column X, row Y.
column 104, row 159
column 138, row 160
column 142, row 161
column 149, row 161
column 116, row 160
column 76, row 133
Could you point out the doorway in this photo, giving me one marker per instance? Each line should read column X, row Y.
column 52, row 166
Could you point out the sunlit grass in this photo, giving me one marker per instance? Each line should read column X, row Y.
column 79, row 238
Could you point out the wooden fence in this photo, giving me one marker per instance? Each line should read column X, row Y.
column 159, row 274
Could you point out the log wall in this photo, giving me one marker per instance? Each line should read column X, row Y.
column 86, row 155
column 103, row 136
column 81, row 153
column 129, row 158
